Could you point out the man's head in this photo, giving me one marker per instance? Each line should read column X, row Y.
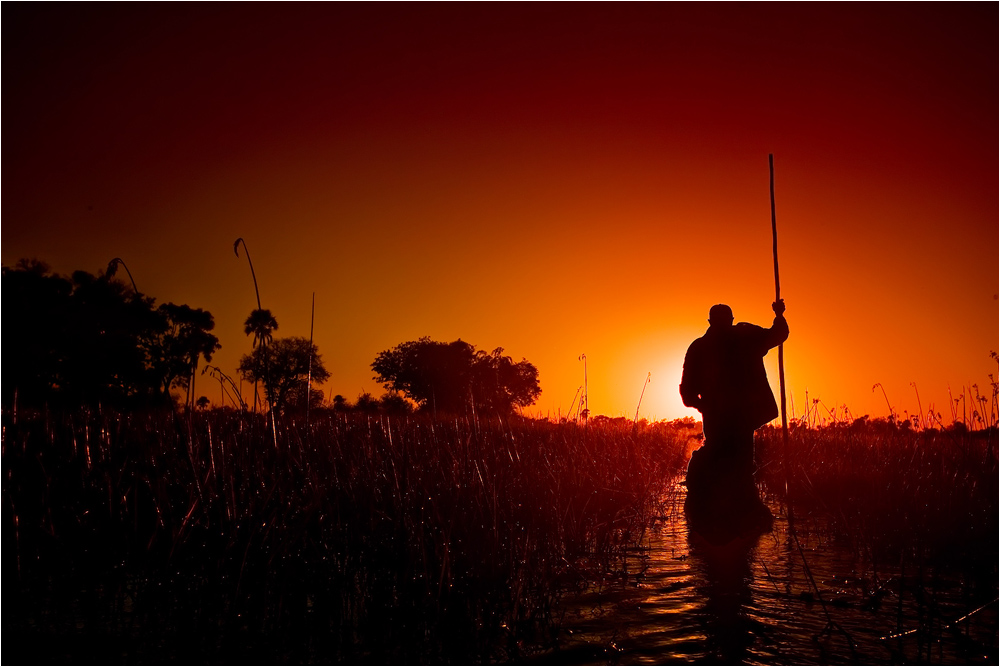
column 720, row 316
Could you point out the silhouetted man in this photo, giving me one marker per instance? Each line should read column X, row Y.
column 724, row 378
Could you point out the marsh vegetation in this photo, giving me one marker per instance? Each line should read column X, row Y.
column 387, row 531
column 160, row 537
column 209, row 537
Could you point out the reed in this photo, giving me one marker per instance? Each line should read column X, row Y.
column 899, row 494
column 195, row 539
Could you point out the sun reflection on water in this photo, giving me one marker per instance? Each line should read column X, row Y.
column 680, row 599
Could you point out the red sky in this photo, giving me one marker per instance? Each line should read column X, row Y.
column 555, row 179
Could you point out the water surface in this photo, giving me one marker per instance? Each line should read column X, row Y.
column 794, row 595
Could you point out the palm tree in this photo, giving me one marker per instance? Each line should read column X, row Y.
column 260, row 324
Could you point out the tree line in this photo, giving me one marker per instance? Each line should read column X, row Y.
column 87, row 339
column 90, row 340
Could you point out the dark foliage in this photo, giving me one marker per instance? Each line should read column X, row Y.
column 174, row 353
column 389, row 403
column 283, row 365
column 202, row 539
column 898, row 494
column 90, row 340
column 456, row 378
column 260, row 324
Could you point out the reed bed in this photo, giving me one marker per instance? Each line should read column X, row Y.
column 900, row 495
column 219, row 537
column 919, row 509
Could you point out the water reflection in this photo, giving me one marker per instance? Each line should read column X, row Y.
column 723, row 579
column 685, row 599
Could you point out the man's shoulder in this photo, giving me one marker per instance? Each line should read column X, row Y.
column 704, row 339
column 747, row 327
column 698, row 343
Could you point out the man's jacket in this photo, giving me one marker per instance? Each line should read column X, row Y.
column 724, row 374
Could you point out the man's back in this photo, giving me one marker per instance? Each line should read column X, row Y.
column 724, row 374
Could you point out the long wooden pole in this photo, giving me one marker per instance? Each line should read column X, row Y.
column 777, row 297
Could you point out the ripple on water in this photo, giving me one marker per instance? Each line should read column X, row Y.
column 686, row 601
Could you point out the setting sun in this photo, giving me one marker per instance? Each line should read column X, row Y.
column 356, row 333
column 571, row 195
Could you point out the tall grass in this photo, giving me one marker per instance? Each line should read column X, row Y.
column 924, row 496
column 919, row 509
column 357, row 538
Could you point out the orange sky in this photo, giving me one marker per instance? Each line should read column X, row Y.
column 553, row 179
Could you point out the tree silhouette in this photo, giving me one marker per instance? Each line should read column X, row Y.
column 39, row 333
column 288, row 362
column 105, row 346
column 366, row 403
column 455, row 377
column 260, row 325
column 393, row 403
column 501, row 384
column 89, row 340
column 187, row 338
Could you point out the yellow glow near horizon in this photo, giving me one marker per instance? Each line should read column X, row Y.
column 598, row 195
